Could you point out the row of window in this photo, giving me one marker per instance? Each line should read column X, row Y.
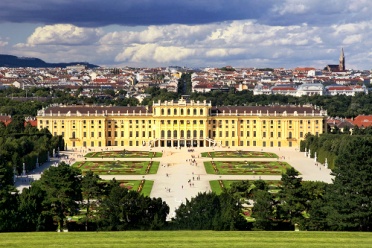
column 212, row 134
column 137, row 143
column 182, row 111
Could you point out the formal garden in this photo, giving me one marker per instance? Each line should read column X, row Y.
column 118, row 167
column 124, row 154
column 239, row 154
column 246, row 167
column 141, row 186
column 217, row 186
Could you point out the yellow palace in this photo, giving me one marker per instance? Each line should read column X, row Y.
column 182, row 123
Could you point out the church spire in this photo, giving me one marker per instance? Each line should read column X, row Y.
column 341, row 65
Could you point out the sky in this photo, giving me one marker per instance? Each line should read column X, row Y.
column 192, row 33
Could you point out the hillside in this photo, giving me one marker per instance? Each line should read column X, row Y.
column 14, row 61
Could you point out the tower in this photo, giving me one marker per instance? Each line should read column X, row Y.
column 341, row 64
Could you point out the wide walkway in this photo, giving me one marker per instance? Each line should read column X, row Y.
column 178, row 178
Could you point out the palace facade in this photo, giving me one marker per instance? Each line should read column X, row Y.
column 182, row 123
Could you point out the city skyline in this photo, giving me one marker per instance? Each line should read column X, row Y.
column 202, row 33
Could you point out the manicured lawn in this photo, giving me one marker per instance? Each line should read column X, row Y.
column 147, row 187
column 216, row 187
column 244, row 168
column 124, row 154
column 239, row 154
column 118, row 167
column 194, row 239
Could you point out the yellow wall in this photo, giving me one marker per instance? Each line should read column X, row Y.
column 192, row 122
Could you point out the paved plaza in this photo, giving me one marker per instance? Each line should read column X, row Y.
column 179, row 178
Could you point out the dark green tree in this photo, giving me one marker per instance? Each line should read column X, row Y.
column 91, row 191
column 128, row 210
column 264, row 210
column 292, row 200
column 350, row 196
column 62, row 185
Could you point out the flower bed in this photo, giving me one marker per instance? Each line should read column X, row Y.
column 251, row 168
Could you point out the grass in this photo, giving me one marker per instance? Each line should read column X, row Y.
column 243, row 168
column 195, row 239
column 216, row 187
column 124, row 154
column 239, row 154
column 117, row 167
column 147, row 187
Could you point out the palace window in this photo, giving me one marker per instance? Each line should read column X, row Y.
column 201, row 111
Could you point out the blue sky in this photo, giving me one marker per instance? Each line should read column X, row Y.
column 148, row 33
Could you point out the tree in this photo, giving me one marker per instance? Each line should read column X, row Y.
column 33, row 215
column 62, row 185
column 8, row 209
column 125, row 209
column 292, row 201
column 207, row 211
column 350, row 196
column 263, row 210
column 91, row 191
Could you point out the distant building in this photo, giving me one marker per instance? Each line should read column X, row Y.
column 341, row 64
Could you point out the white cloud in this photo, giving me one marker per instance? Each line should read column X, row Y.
column 239, row 43
column 154, row 52
column 355, row 38
column 63, row 34
column 3, row 43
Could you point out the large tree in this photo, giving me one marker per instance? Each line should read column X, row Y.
column 91, row 192
column 264, row 210
column 62, row 185
column 125, row 209
column 350, row 195
column 292, row 199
